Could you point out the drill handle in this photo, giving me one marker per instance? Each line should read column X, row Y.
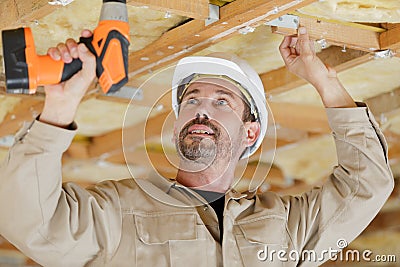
column 76, row 65
column 111, row 60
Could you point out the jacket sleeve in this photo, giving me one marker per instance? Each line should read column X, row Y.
column 54, row 224
column 353, row 194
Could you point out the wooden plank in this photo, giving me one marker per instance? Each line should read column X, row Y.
column 352, row 35
column 112, row 142
column 384, row 221
column 281, row 80
column 298, row 116
column 79, row 148
column 197, row 9
column 385, row 102
column 194, row 36
column 391, row 38
column 16, row 12
column 393, row 140
column 274, row 176
column 26, row 111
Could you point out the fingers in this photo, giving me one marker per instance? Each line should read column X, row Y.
column 72, row 48
column 88, row 62
column 64, row 51
column 285, row 49
column 86, row 33
column 304, row 43
column 54, row 53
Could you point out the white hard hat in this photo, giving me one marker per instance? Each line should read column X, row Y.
column 221, row 64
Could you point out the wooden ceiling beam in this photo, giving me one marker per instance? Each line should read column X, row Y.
column 390, row 39
column 384, row 102
column 25, row 111
column 281, row 80
column 16, row 12
column 302, row 117
column 393, row 140
column 197, row 9
column 352, row 35
column 358, row 36
column 194, row 35
column 112, row 142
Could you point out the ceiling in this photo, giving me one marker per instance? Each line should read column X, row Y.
column 349, row 35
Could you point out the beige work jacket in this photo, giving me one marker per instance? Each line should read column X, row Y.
column 154, row 222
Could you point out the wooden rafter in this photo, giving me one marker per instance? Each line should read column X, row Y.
column 17, row 12
column 197, row 9
column 391, row 38
column 194, row 36
column 113, row 141
column 299, row 116
column 352, row 35
column 281, row 79
column 385, row 102
column 25, row 111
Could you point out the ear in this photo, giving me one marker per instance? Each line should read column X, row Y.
column 252, row 132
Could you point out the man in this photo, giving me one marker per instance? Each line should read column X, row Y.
column 221, row 118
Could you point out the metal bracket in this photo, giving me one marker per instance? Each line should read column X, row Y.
column 246, row 30
column 213, row 14
column 128, row 92
column 384, row 54
column 323, row 43
column 60, row 2
column 285, row 21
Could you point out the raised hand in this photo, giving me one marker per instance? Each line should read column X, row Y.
column 300, row 58
column 62, row 99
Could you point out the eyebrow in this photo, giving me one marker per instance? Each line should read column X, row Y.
column 191, row 92
column 220, row 92
column 228, row 93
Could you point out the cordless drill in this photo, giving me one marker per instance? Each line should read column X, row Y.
column 25, row 70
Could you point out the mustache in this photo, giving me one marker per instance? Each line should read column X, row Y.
column 201, row 121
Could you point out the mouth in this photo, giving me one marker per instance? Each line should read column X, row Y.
column 200, row 130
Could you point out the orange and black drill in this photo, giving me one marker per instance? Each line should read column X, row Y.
column 25, row 70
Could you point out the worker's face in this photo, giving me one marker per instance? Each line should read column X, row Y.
column 209, row 127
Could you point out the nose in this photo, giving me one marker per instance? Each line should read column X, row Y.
column 202, row 116
column 204, row 109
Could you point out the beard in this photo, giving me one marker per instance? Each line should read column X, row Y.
column 202, row 149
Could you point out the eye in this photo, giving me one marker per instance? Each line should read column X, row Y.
column 222, row 102
column 192, row 101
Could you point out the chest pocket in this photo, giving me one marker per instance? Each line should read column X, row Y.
column 170, row 240
column 262, row 241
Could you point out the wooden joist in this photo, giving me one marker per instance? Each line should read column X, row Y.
column 134, row 136
column 390, row 39
column 194, row 36
column 385, row 102
column 348, row 34
column 25, row 111
column 298, row 116
column 197, row 9
column 280, row 80
column 16, row 12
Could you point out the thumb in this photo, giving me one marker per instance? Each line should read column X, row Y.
column 304, row 42
column 88, row 61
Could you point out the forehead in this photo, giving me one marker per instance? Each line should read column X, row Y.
column 211, row 85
